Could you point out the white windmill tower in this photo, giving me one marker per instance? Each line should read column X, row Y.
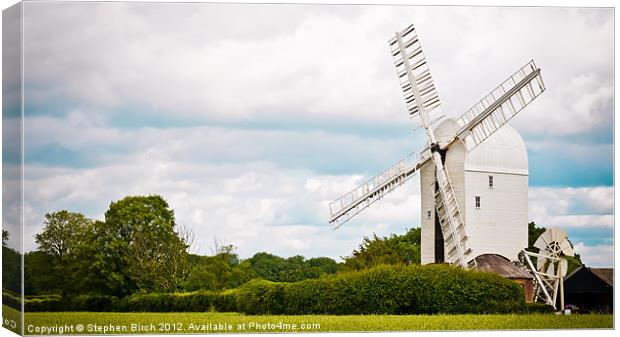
column 551, row 266
column 452, row 163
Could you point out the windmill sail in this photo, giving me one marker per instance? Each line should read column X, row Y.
column 350, row 204
column 421, row 98
column 500, row 105
column 413, row 73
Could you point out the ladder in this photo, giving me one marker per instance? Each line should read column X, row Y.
column 451, row 222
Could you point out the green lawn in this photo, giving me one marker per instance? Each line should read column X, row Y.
column 183, row 323
column 11, row 319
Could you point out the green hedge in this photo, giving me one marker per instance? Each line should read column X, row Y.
column 96, row 303
column 11, row 300
column 261, row 297
column 44, row 304
column 415, row 289
column 198, row 301
column 226, row 301
column 534, row 308
column 29, row 297
column 33, row 303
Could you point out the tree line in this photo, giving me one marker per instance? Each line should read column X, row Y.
column 139, row 248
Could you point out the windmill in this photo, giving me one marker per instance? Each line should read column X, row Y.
column 463, row 134
column 551, row 266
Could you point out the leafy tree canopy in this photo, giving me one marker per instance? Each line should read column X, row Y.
column 292, row 269
column 60, row 242
column 5, row 237
column 11, row 261
column 393, row 249
column 61, row 233
column 221, row 271
column 137, row 247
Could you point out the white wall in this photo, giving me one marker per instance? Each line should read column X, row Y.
column 455, row 164
column 499, row 226
column 427, row 179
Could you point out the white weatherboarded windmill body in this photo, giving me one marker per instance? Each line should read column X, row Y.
column 474, row 169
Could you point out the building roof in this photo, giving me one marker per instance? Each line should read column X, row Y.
column 503, row 151
column 605, row 274
column 500, row 265
column 586, row 280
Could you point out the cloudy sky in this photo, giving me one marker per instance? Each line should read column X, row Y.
column 250, row 119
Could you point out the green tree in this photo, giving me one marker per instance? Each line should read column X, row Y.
column 222, row 271
column 60, row 239
column 533, row 232
column 137, row 247
column 200, row 277
column 11, row 262
column 268, row 266
column 5, row 237
column 40, row 277
column 90, row 274
column 393, row 249
column 324, row 264
column 241, row 273
column 292, row 269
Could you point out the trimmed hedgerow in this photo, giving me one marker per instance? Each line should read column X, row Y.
column 95, row 303
column 261, row 297
column 386, row 290
column 11, row 300
column 29, row 297
column 198, row 301
column 538, row 308
column 415, row 289
column 226, row 301
column 34, row 303
column 44, row 304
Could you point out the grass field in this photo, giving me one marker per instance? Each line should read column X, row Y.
column 184, row 323
column 11, row 319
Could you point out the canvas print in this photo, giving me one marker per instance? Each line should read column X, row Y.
column 181, row 168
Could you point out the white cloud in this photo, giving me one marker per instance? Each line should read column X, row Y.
column 583, row 221
column 580, row 105
column 596, row 256
column 566, row 201
column 316, row 150
column 309, row 63
column 584, row 207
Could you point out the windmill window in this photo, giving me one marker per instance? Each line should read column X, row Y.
column 490, row 181
column 428, row 214
column 477, row 201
